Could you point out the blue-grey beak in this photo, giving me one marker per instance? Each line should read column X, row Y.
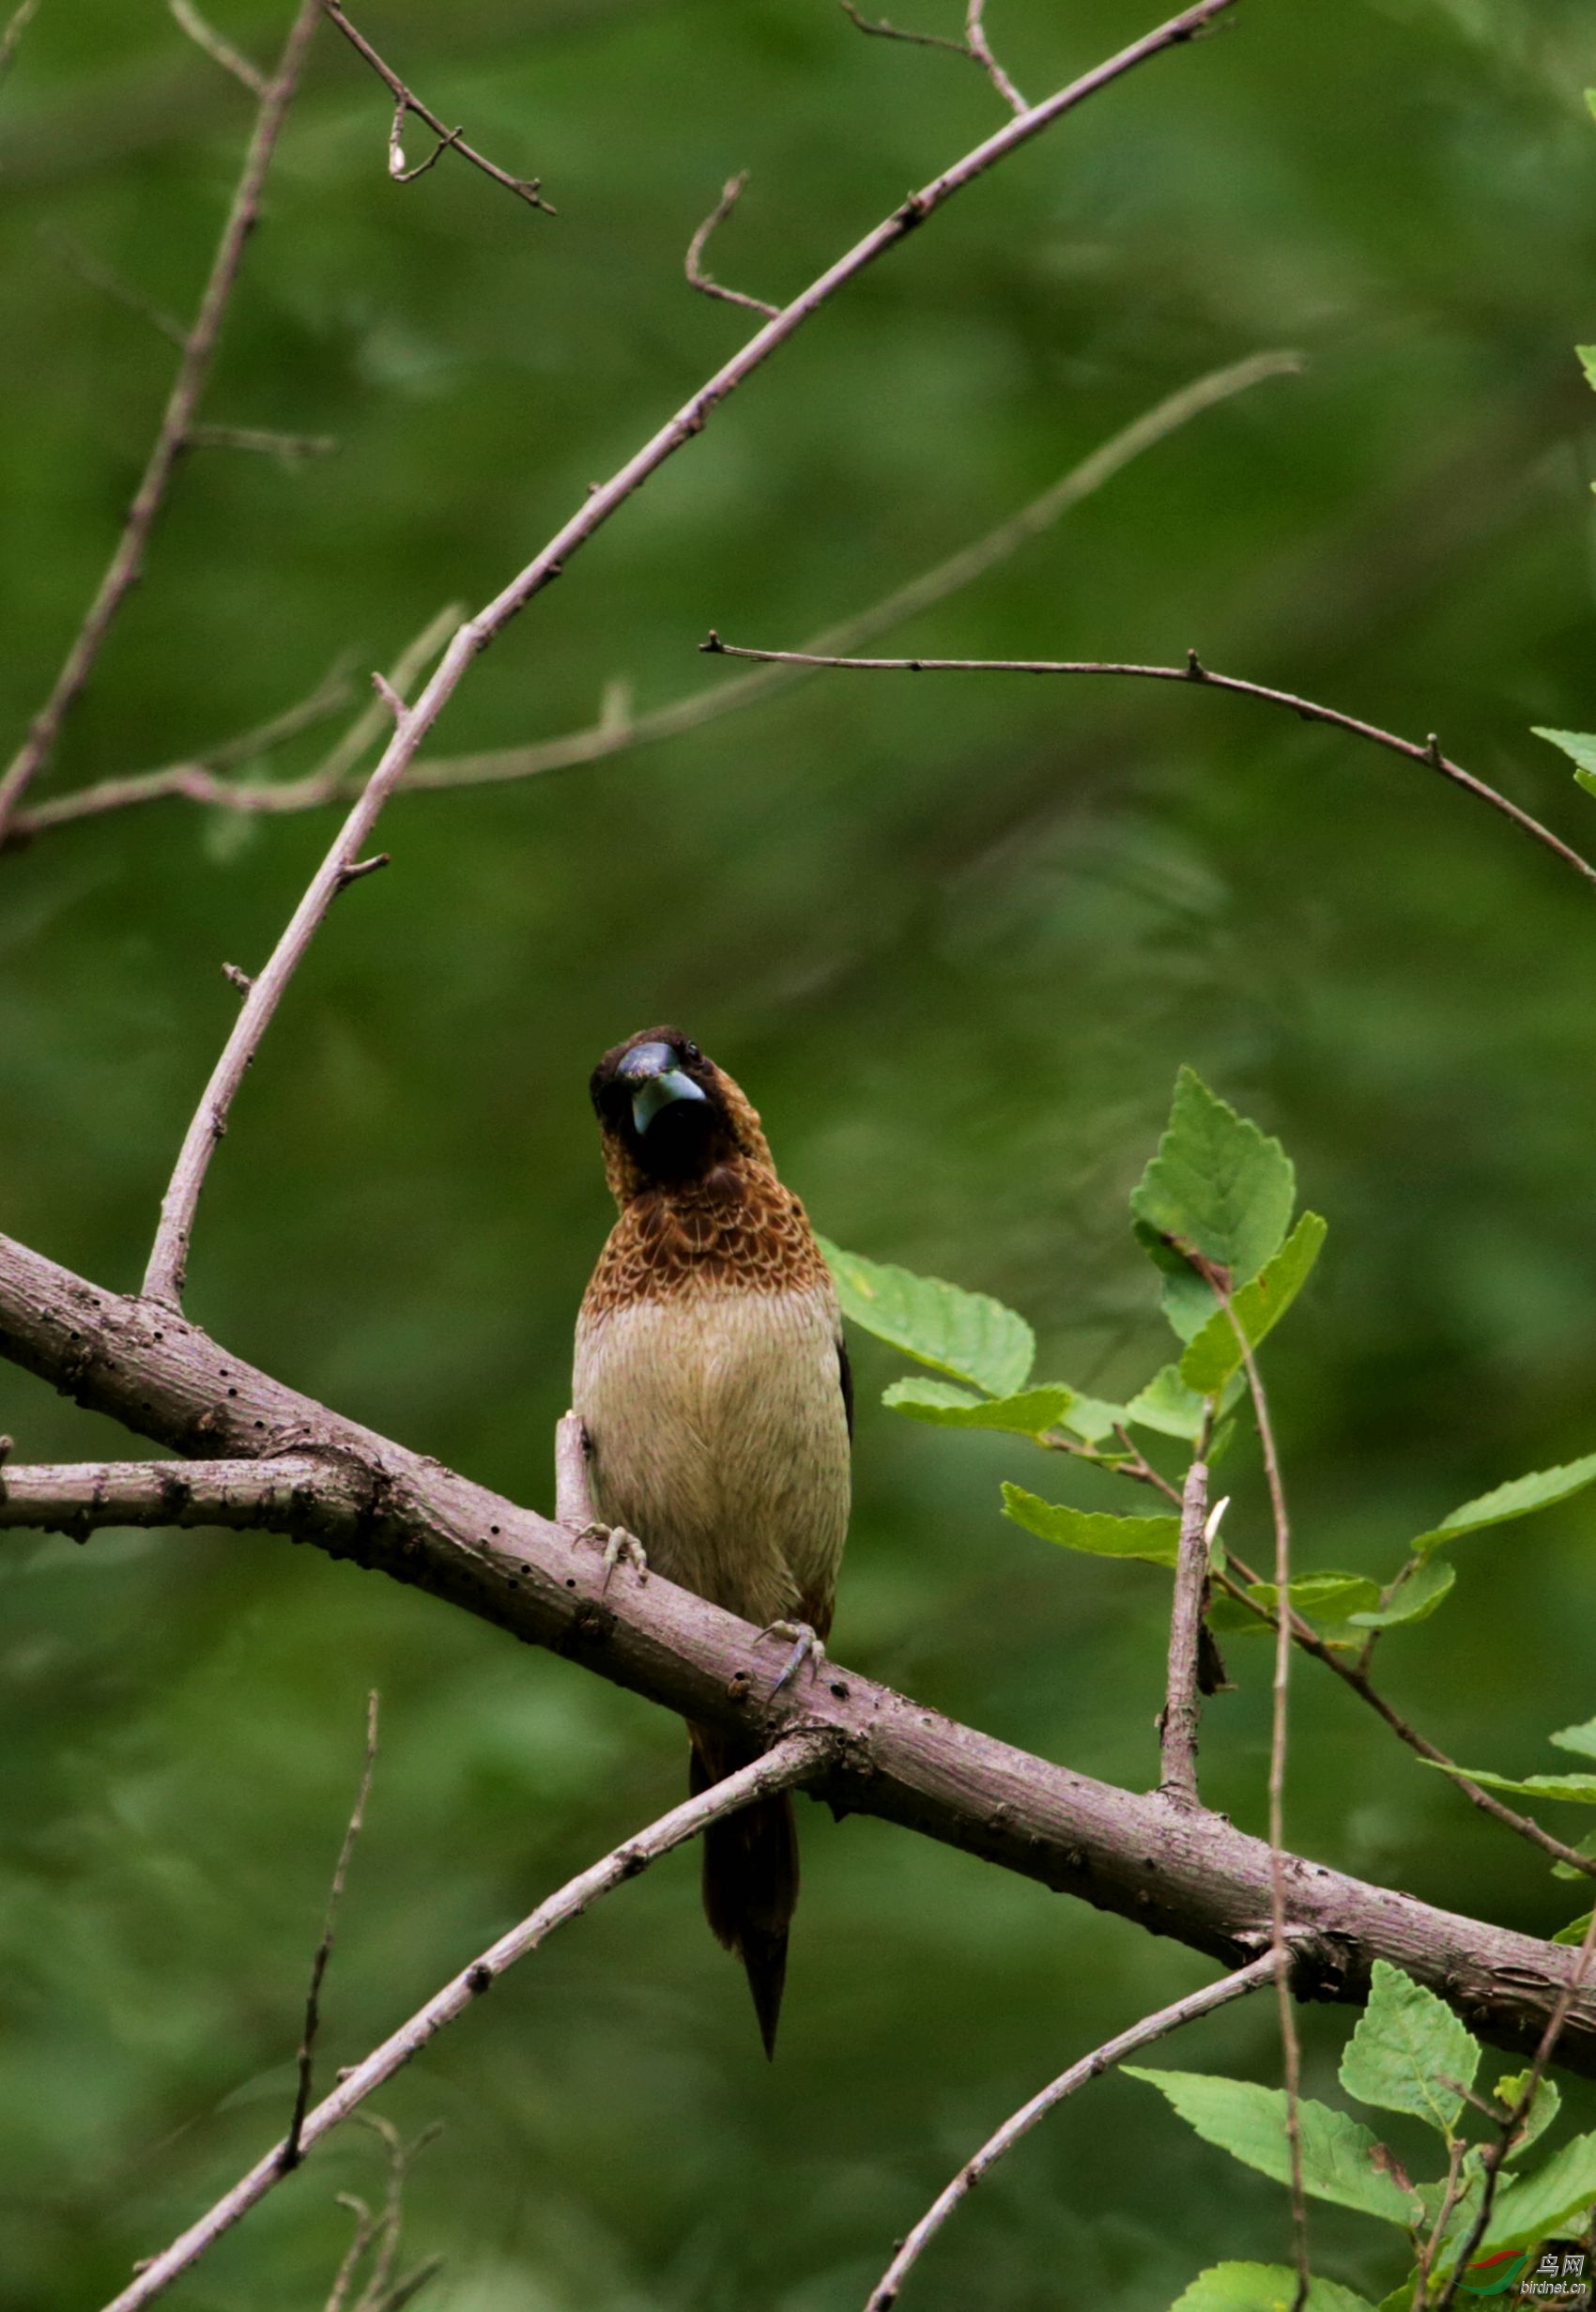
column 652, row 1069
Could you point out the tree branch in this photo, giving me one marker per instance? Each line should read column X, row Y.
column 79, row 1498
column 405, row 101
column 731, row 193
column 1193, row 671
column 1176, row 1870
column 1151, row 2028
column 194, row 369
column 795, row 1760
column 1178, row 1723
column 293, row 2149
column 618, row 733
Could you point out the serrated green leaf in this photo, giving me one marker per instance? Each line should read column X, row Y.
column 1579, row 745
column 1554, row 2199
column 1215, row 1353
column 1580, row 1789
column 1185, row 1299
column 1547, row 2103
column 1581, row 1739
column 1339, row 2160
column 1416, row 1601
column 1154, row 1539
column 968, row 1336
column 946, row 1406
column 1575, row 1930
column 1406, row 2043
column 1519, row 1498
column 1587, row 1845
column 1093, row 1418
column 1216, row 1183
column 1168, row 1405
column 1264, row 2288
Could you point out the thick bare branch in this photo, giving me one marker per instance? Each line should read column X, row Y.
column 1177, row 1726
column 1143, row 2034
column 405, row 101
column 1177, row 1870
column 731, row 193
column 618, row 731
column 797, row 1759
column 81, row 1497
column 194, row 369
column 1193, row 672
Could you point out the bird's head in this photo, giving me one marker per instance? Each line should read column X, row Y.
column 670, row 1117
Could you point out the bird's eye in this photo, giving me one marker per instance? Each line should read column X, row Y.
column 691, row 1051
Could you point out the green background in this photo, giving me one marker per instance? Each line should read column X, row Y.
column 954, row 936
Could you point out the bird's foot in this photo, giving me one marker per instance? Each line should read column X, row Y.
column 619, row 1543
column 807, row 1647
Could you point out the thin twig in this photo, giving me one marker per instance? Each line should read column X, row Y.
column 177, row 417
column 16, row 23
column 1450, row 2199
column 163, row 1276
column 220, row 50
column 1143, row 2034
column 1178, row 1724
column 375, row 2296
column 731, row 193
column 291, row 448
column 1497, row 2155
column 323, row 1949
column 1193, row 671
column 365, row 2227
column 405, row 101
column 617, row 732
column 974, row 45
column 795, row 1759
column 88, row 270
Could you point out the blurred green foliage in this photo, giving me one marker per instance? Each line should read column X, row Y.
column 954, row 937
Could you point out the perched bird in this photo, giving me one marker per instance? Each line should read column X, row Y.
column 712, row 1382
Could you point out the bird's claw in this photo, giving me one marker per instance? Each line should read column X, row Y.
column 619, row 1543
column 807, row 1647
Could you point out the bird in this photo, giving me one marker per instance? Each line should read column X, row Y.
column 712, row 1381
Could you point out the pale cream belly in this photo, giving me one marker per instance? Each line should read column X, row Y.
column 720, row 1438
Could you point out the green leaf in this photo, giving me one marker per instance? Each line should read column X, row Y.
column 946, row 1406
column 1217, row 1184
column 965, row 1334
column 1554, row 2199
column 1186, row 1299
column 1587, row 1845
column 1518, row 1498
column 1328, row 1596
column 1579, row 745
column 1264, row 2288
column 1093, row 1418
column 1415, row 1600
column 1215, row 1354
column 1154, row 1539
column 1548, row 2102
column 1580, row 1789
column 1579, row 1738
column 1339, row 2160
column 1408, row 2040
column 1168, row 1405
column 1575, row 1930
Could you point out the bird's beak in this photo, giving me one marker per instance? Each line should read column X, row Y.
column 651, row 1070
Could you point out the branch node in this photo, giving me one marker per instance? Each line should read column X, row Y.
column 234, row 977
column 361, row 868
column 731, row 193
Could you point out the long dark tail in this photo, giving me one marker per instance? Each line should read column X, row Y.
column 750, row 1874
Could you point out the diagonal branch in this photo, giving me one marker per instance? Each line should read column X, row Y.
column 293, row 2149
column 1193, row 672
column 618, row 734
column 796, row 1759
column 1177, row 1724
column 1143, row 2034
column 205, row 36
column 194, row 369
column 1174, row 1870
column 164, row 1274
column 405, row 101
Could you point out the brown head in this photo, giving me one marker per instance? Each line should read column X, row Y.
column 670, row 1118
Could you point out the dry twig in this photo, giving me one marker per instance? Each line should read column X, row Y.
column 177, row 418
column 1178, row 1723
column 218, row 50
column 405, row 101
column 731, row 193
column 1151, row 2028
column 291, row 2154
column 16, row 25
column 793, row 1761
column 1193, row 671
column 974, row 45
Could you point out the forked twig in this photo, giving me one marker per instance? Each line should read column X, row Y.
column 796, row 1759
column 218, row 50
column 1151, row 2028
column 182, row 403
column 974, row 45
column 1193, row 672
column 405, row 101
